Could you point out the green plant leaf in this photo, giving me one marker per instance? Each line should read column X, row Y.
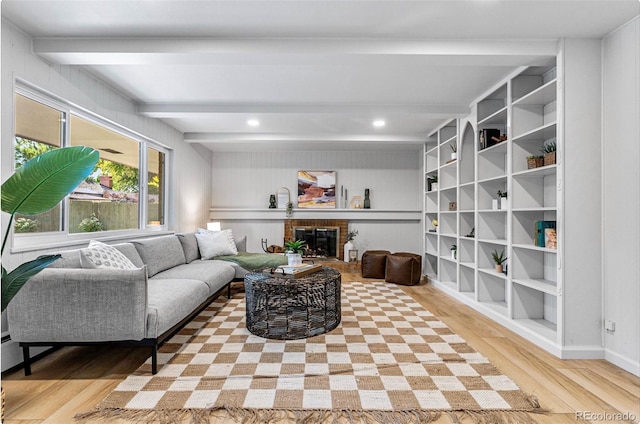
column 13, row 281
column 42, row 182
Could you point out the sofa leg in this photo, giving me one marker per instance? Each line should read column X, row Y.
column 154, row 359
column 27, row 360
column 229, row 291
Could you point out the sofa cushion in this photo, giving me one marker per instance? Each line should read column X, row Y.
column 241, row 243
column 190, row 246
column 216, row 274
column 129, row 250
column 102, row 256
column 219, row 243
column 160, row 253
column 172, row 300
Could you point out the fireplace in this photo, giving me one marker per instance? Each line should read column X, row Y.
column 330, row 234
column 321, row 242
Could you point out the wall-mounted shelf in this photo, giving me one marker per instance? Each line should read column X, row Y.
column 236, row 214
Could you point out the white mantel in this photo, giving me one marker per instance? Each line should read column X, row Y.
column 247, row 214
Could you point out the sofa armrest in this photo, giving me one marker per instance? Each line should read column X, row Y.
column 80, row 305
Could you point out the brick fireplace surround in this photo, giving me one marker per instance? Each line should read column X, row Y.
column 343, row 224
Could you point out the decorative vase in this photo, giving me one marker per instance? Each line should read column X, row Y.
column 347, row 247
column 454, row 156
column 367, row 202
column 434, row 186
column 272, row 201
column 294, row 258
column 503, row 203
column 494, row 204
column 453, row 254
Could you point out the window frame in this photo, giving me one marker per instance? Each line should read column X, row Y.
column 25, row 242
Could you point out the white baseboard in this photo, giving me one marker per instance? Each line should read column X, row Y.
column 623, row 362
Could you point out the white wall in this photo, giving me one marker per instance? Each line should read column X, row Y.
column 190, row 182
column 245, row 180
column 621, row 195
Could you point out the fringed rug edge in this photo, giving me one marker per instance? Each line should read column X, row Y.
column 306, row 416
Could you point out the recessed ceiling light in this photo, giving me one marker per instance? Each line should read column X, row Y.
column 253, row 122
column 379, row 123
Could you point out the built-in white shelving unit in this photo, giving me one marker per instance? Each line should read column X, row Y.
column 523, row 113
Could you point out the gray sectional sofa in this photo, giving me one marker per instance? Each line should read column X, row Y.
column 67, row 304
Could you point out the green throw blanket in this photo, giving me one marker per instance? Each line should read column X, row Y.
column 256, row 261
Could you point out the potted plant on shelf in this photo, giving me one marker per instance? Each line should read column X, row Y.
column 434, row 183
column 349, row 245
column 535, row 161
column 549, row 150
column 294, row 249
column 502, row 195
column 454, row 251
column 499, row 259
column 454, row 151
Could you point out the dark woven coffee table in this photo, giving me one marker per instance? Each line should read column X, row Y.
column 286, row 309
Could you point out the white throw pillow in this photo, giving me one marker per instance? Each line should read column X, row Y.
column 102, row 256
column 216, row 243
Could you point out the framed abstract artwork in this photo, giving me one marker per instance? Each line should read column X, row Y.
column 317, row 189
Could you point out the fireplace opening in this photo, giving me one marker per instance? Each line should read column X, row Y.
column 321, row 242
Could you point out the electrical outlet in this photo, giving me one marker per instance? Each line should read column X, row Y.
column 610, row 325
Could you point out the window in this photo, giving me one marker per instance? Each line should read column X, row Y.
column 130, row 168
column 109, row 199
column 39, row 128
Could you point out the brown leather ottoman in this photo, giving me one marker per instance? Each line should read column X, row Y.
column 403, row 268
column 373, row 263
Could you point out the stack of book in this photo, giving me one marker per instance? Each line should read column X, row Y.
column 545, row 234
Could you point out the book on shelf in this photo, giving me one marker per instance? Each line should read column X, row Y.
column 486, row 137
column 550, row 238
column 539, row 232
column 292, row 271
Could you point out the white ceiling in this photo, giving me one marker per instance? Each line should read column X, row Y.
column 314, row 73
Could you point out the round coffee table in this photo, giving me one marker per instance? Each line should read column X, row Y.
column 286, row 309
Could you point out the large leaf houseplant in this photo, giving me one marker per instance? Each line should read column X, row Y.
column 36, row 187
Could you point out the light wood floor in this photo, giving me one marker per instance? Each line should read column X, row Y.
column 74, row 379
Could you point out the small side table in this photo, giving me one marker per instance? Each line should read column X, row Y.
column 287, row 309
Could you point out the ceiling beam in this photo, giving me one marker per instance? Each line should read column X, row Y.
column 297, row 138
column 173, row 110
column 164, row 50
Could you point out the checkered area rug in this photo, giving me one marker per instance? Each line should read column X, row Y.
column 390, row 360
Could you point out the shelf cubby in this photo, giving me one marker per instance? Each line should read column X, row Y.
column 524, row 225
column 467, row 280
column 448, row 272
column 535, row 309
column 448, row 175
column 446, row 240
column 431, row 160
column 492, row 161
column 535, row 188
column 431, row 202
column 492, row 226
column 466, row 155
column 447, row 196
column 467, row 223
column 492, row 292
column 493, row 104
column 488, row 190
column 431, row 243
column 448, row 132
column 466, row 201
column 485, row 260
column 466, row 251
column 535, row 268
column 431, row 265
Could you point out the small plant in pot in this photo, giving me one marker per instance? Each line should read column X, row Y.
column 502, row 195
column 294, row 250
column 454, row 251
column 499, row 259
column 535, row 161
column 549, row 150
column 454, row 151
